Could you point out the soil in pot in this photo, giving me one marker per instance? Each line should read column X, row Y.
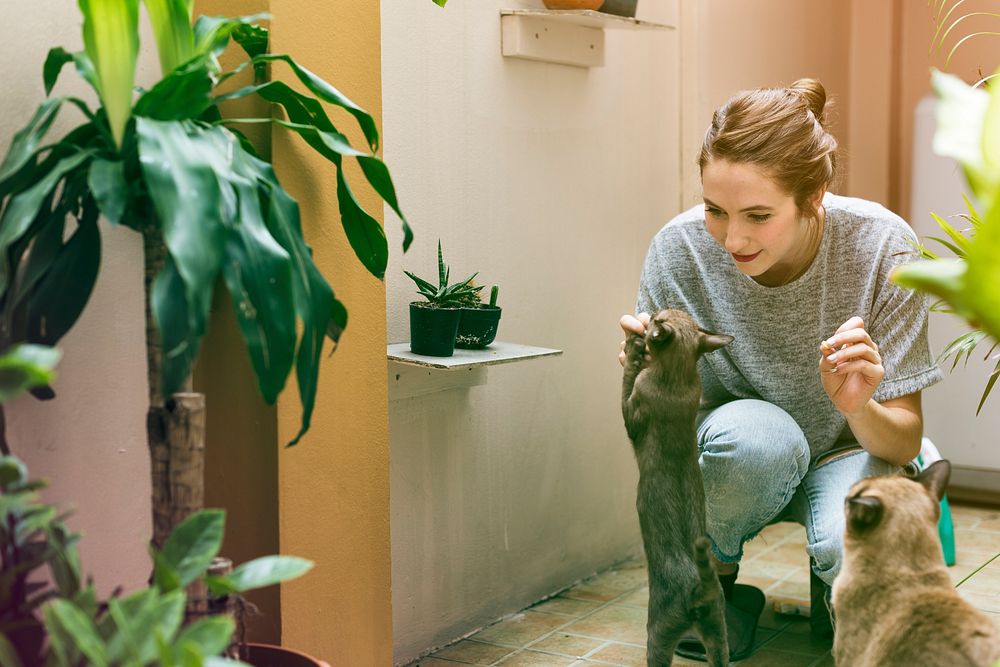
column 433, row 330
column 478, row 327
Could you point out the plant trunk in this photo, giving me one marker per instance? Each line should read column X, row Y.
column 175, row 428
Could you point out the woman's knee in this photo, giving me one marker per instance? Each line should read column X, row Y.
column 750, row 436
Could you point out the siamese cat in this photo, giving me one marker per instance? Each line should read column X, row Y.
column 893, row 601
column 661, row 392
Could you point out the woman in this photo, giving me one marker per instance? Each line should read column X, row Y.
column 821, row 386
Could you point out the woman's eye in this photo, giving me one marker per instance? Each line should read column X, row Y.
column 759, row 217
column 714, row 212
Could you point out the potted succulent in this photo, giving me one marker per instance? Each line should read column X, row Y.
column 478, row 326
column 434, row 322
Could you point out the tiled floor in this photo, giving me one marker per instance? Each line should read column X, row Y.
column 602, row 621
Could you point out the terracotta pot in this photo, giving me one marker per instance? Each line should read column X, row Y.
column 573, row 4
column 268, row 655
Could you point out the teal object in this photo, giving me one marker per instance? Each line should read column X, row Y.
column 946, row 531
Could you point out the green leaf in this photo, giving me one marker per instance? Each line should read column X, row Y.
column 25, row 366
column 171, row 21
column 180, row 162
column 140, row 619
column 440, row 3
column 106, row 180
column 182, row 94
column 111, row 40
column 989, row 388
column 211, row 635
column 259, row 277
column 164, row 575
column 74, row 624
column 25, row 143
column 194, row 543
column 54, row 62
column 982, row 280
column 59, row 298
column 313, row 297
column 8, row 653
column 258, row 573
column 328, row 93
column 378, row 175
column 20, row 212
column 212, row 33
column 179, row 342
column 942, row 277
column 364, row 233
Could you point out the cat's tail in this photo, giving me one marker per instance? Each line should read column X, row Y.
column 709, row 582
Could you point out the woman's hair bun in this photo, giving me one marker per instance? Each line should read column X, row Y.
column 814, row 95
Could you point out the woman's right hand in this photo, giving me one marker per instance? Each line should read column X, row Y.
column 632, row 324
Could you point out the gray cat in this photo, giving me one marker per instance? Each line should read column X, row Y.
column 660, row 397
column 895, row 604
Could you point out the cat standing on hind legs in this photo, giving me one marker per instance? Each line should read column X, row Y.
column 660, row 397
column 894, row 601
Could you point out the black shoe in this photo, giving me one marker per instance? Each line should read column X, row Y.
column 742, row 613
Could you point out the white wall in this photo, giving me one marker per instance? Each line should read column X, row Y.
column 90, row 442
column 550, row 181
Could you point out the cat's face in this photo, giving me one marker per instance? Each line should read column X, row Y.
column 673, row 334
column 882, row 511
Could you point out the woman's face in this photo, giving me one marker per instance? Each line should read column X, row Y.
column 756, row 222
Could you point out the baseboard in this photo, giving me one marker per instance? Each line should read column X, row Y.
column 977, row 486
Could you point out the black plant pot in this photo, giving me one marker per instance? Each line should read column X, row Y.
column 433, row 330
column 478, row 327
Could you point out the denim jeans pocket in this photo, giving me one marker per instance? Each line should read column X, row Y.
column 836, row 455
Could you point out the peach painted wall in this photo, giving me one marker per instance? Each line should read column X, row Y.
column 334, row 486
column 90, row 442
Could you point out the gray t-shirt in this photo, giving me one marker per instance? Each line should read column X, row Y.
column 777, row 330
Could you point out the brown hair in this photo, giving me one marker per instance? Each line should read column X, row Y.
column 781, row 130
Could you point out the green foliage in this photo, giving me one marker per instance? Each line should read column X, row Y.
column 445, row 295
column 167, row 164
column 32, row 538
column 24, row 367
column 968, row 283
column 493, row 295
column 144, row 627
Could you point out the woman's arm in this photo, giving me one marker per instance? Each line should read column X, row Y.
column 890, row 430
column 850, row 368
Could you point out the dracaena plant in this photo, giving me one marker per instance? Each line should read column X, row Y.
column 166, row 163
column 966, row 283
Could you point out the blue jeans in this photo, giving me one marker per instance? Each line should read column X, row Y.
column 756, row 466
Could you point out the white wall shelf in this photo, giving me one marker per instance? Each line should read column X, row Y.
column 416, row 375
column 564, row 36
column 497, row 353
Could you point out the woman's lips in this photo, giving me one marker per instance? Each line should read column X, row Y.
column 745, row 258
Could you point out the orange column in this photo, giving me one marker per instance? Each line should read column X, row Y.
column 334, row 486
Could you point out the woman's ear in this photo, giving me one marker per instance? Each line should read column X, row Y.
column 817, row 198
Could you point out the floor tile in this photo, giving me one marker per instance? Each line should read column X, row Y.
column 572, row 646
column 520, row 629
column 473, row 652
column 566, row 606
column 622, row 654
column 528, row 658
column 615, row 622
column 637, row 598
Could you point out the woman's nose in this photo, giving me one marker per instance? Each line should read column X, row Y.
column 736, row 237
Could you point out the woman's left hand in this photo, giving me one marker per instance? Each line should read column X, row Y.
column 850, row 367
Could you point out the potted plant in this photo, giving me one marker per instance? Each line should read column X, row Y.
column 477, row 327
column 434, row 322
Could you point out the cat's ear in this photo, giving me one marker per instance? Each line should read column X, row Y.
column 708, row 342
column 863, row 513
column 935, row 478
